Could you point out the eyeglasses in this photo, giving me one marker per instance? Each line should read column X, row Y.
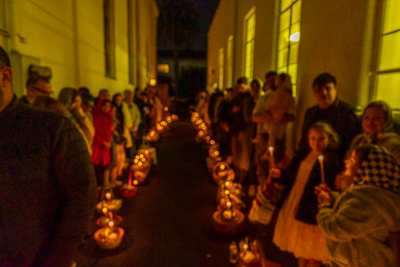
column 42, row 91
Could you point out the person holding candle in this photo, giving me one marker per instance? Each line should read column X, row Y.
column 330, row 109
column 47, row 183
column 357, row 224
column 296, row 229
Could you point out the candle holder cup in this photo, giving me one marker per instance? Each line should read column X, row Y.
column 110, row 238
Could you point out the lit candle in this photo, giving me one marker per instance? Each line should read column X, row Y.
column 105, row 211
column 135, row 182
column 228, row 204
column 108, row 195
column 271, row 151
column 321, row 162
column 222, row 167
column 130, row 179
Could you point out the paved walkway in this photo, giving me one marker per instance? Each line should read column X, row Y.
column 169, row 221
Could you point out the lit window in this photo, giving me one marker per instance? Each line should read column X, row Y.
column 221, row 69
column 131, row 51
column 229, row 62
column 289, row 38
column 163, row 68
column 388, row 73
column 250, row 27
column 109, row 41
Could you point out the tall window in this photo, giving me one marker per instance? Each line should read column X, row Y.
column 388, row 73
column 109, row 41
column 131, row 53
column 221, row 69
column 229, row 62
column 289, row 38
column 250, row 27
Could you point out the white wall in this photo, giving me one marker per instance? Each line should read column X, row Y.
column 336, row 36
column 68, row 36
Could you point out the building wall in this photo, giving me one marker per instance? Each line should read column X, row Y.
column 68, row 36
column 338, row 40
column 221, row 28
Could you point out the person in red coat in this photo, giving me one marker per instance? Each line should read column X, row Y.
column 101, row 157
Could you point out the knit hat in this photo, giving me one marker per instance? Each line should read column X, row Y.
column 379, row 168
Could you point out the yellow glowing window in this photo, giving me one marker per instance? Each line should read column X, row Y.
column 221, row 69
column 250, row 27
column 163, row 68
column 289, row 38
column 388, row 73
column 229, row 61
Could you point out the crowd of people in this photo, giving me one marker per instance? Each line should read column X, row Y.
column 341, row 191
column 54, row 154
column 342, row 208
column 112, row 127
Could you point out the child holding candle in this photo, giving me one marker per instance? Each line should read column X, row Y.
column 296, row 229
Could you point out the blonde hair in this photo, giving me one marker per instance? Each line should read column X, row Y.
column 327, row 128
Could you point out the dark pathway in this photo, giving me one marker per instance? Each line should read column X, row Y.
column 169, row 221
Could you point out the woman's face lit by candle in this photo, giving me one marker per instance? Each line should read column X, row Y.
column 318, row 140
column 373, row 121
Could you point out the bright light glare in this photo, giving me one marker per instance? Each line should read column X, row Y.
column 295, row 37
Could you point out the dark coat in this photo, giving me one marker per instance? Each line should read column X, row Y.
column 340, row 116
column 237, row 122
column 308, row 206
column 47, row 187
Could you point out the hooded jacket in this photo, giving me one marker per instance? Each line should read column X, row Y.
column 358, row 225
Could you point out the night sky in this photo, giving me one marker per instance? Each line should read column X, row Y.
column 207, row 10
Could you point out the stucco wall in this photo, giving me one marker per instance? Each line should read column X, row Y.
column 68, row 36
column 336, row 36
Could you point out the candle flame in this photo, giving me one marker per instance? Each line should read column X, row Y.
column 228, row 204
column 271, row 148
column 245, row 246
column 216, row 153
column 226, row 192
column 227, row 183
column 146, row 152
column 222, row 167
column 141, row 156
column 140, row 163
column 320, row 157
column 108, row 195
column 212, row 142
column 135, row 182
column 104, row 210
column 136, row 161
column 111, row 223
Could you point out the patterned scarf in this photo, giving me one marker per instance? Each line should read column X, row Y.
column 380, row 169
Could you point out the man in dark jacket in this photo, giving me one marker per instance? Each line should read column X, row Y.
column 47, row 183
column 340, row 115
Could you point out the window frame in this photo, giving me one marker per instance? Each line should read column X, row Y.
column 249, row 15
column 289, row 30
